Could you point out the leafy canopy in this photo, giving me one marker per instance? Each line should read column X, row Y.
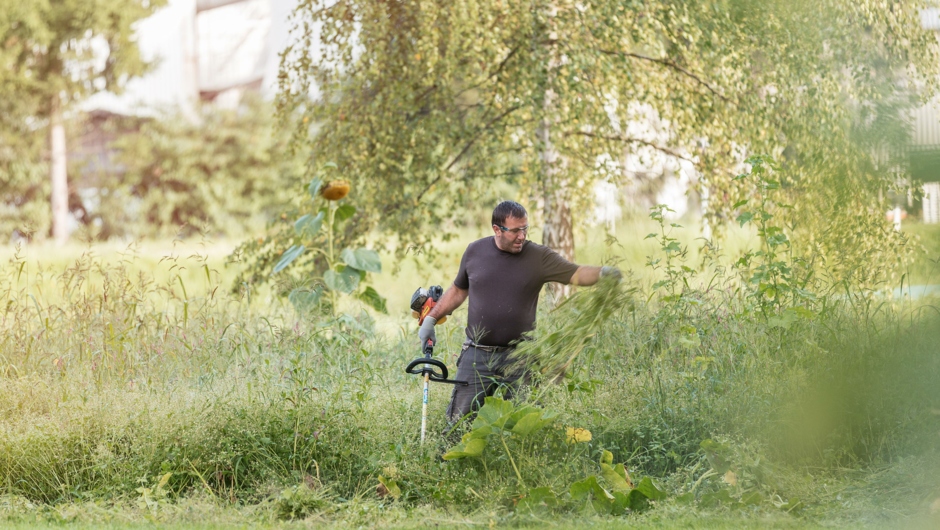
column 424, row 104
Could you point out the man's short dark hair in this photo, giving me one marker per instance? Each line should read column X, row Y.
column 507, row 209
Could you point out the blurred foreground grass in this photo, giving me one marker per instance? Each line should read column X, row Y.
column 137, row 389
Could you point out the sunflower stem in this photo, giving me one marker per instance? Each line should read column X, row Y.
column 329, row 235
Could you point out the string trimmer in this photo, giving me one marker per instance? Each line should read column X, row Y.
column 432, row 369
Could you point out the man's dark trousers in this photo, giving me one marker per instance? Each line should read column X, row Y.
column 485, row 369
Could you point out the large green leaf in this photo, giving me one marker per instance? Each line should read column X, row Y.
column 517, row 414
column 538, row 499
column 362, row 259
column 313, row 189
column 344, row 281
column 288, row 257
column 352, row 277
column 305, row 300
column 309, row 225
column 374, row 300
column 532, row 422
column 620, row 503
column 595, row 496
column 481, row 431
column 616, row 476
column 495, row 412
column 472, row 448
column 647, row 488
column 585, row 487
column 342, row 213
column 637, row 501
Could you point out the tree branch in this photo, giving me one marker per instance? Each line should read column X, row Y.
column 629, row 140
column 476, row 137
column 494, row 73
column 467, row 147
column 669, row 64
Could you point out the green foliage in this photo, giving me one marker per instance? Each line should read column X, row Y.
column 47, row 50
column 329, row 275
column 227, row 175
column 162, row 398
column 499, row 419
column 54, row 54
column 677, row 274
column 425, row 103
column 622, row 497
column 744, row 478
column 573, row 325
column 24, row 184
column 302, row 501
column 599, row 500
column 777, row 280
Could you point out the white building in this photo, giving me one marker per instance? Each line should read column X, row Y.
column 208, row 50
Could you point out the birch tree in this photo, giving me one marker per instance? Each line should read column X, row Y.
column 425, row 103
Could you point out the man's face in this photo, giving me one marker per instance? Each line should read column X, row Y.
column 511, row 235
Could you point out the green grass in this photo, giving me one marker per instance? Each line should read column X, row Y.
column 138, row 390
column 926, row 269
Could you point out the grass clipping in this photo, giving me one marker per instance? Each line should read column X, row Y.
column 571, row 326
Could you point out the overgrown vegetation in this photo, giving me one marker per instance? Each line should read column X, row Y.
column 154, row 397
column 310, row 249
column 780, row 382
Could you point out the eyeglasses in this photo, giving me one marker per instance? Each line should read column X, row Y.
column 515, row 231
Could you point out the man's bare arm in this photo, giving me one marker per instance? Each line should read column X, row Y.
column 585, row 275
column 450, row 300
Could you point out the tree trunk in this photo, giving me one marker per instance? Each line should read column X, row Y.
column 556, row 216
column 59, row 176
column 556, row 232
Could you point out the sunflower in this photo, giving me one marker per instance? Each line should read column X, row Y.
column 334, row 190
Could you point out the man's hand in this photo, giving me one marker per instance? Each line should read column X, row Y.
column 611, row 272
column 426, row 331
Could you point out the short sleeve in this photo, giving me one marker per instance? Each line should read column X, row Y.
column 555, row 268
column 462, row 281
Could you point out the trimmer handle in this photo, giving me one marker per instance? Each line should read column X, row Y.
column 435, row 370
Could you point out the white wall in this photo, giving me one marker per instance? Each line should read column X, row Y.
column 240, row 41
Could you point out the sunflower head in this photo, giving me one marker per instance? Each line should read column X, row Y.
column 334, row 190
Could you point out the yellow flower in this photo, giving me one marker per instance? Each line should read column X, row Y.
column 577, row 435
column 730, row 478
column 334, row 190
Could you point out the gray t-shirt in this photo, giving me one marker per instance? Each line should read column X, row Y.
column 504, row 288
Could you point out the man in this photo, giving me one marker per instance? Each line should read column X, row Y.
column 503, row 276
